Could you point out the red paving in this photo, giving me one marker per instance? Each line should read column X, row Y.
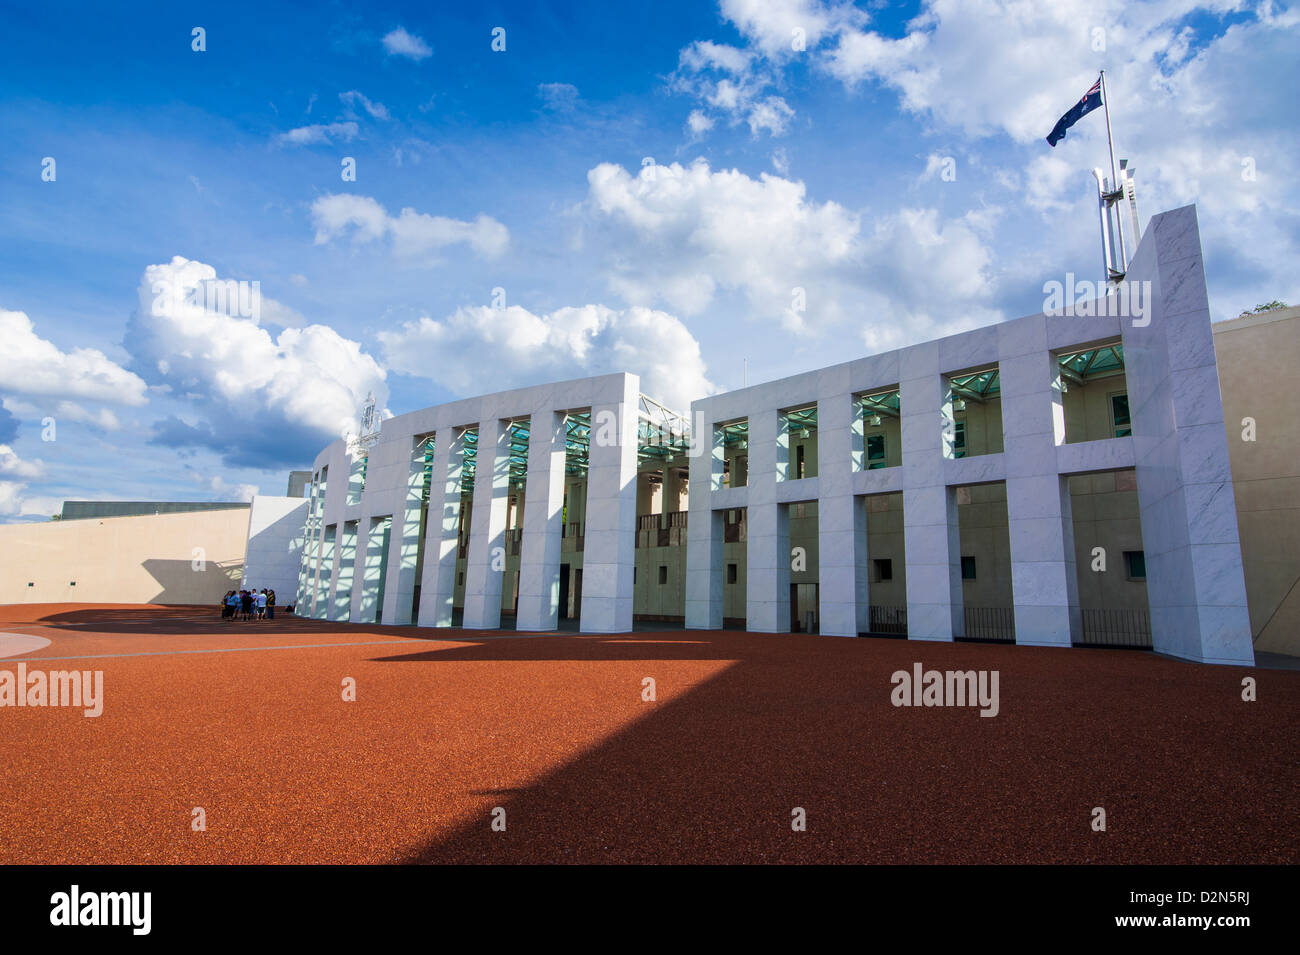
column 746, row 727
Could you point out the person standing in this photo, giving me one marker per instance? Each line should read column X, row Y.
column 260, row 600
column 270, row 605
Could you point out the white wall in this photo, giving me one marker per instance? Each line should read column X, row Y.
column 274, row 551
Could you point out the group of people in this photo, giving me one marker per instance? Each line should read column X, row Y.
column 248, row 605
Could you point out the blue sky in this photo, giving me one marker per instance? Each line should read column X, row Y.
column 643, row 187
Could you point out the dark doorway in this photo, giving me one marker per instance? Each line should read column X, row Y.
column 564, row 591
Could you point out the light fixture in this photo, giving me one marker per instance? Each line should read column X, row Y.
column 959, row 404
column 875, row 421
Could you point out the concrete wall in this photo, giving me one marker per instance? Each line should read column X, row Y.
column 146, row 559
column 274, row 549
column 1258, row 357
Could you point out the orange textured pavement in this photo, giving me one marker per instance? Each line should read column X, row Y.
column 448, row 725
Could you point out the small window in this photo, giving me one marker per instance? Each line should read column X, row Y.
column 1135, row 564
column 663, row 574
column 959, row 440
column 968, row 568
column 731, row 573
column 1120, row 416
column 72, row 583
column 460, row 578
column 798, row 471
column 875, row 451
column 884, row 569
column 633, row 576
column 31, row 583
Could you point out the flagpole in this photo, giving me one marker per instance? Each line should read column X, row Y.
column 1115, row 186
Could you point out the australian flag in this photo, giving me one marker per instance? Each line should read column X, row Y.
column 1091, row 100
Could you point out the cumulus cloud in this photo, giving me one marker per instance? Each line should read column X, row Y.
column 319, row 133
column 685, row 234
column 412, row 234
column 15, row 502
column 260, row 401
column 734, row 85
column 399, row 42
column 32, row 366
column 12, row 466
column 1196, row 96
column 14, row 474
column 575, row 342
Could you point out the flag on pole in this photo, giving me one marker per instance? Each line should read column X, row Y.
column 1091, row 100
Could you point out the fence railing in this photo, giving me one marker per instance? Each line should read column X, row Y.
column 888, row 621
column 990, row 624
column 1116, row 628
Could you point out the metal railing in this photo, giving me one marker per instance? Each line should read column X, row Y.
column 887, row 621
column 990, row 624
column 1116, row 628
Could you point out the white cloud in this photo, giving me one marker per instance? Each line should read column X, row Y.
column 319, row 133
column 33, row 366
column 684, row 235
column 63, row 411
column 14, row 502
column 261, row 400
column 732, row 82
column 698, row 123
column 526, row 348
column 355, row 98
column 413, row 234
column 14, row 474
column 15, row 467
column 771, row 24
column 400, row 43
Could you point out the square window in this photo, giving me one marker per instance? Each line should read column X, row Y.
column 663, row 574
column 1135, row 564
column 1120, row 416
column 731, row 573
column 884, row 569
column 968, row 568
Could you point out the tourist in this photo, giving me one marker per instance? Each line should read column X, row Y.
column 270, row 604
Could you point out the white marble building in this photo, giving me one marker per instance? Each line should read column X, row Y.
column 364, row 541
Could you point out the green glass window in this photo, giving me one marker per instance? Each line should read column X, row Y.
column 875, row 451
column 1119, row 414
